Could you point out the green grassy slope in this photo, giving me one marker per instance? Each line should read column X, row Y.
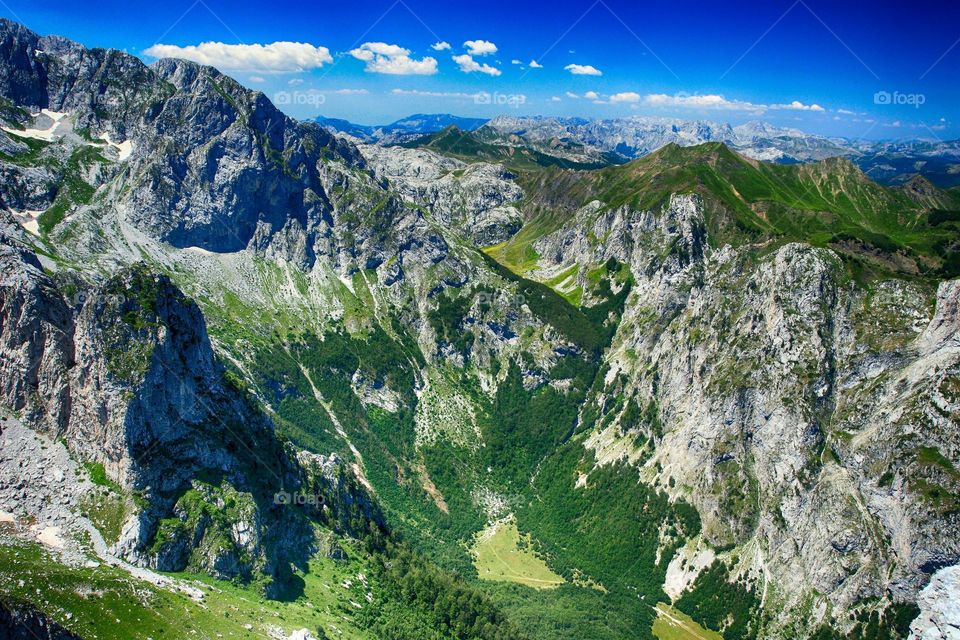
column 909, row 230
column 469, row 147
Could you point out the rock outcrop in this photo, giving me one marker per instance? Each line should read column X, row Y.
column 810, row 421
column 128, row 380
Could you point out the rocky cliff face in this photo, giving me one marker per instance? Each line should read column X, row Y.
column 812, row 422
column 36, row 329
column 479, row 200
column 203, row 162
column 127, row 378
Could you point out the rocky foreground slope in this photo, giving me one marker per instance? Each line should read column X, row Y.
column 695, row 380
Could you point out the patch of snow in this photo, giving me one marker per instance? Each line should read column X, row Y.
column 124, row 149
column 199, row 250
column 28, row 220
column 46, row 134
column 50, row 536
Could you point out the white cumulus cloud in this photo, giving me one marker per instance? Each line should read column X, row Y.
column 440, row 46
column 393, row 59
column 570, row 94
column 515, row 61
column 480, row 47
column 556, row 99
column 277, row 57
column 468, row 65
column 535, row 65
column 583, row 70
column 626, row 96
column 591, row 95
column 796, row 105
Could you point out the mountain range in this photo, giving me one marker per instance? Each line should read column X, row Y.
column 261, row 379
column 589, row 141
column 402, row 130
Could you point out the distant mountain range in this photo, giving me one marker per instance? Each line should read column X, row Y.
column 582, row 141
column 410, row 127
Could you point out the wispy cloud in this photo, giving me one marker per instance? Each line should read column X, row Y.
column 583, row 70
column 719, row 102
column 277, row 57
column 433, row 94
column 710, row 101
column 468, row 65
column 480, row 47
column 687, row 101
column 393, row 59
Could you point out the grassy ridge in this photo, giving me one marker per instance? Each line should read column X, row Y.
column 912, row 229
column 468, row 147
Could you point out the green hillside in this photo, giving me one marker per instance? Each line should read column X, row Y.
column 468, row 147
column 912, row 230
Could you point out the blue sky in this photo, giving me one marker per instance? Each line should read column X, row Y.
column 861, row 70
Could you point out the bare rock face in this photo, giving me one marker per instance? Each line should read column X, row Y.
column 129, row 380
column 36, row 328
column 145, row 380
column 207, row 163
column 939, row 603
column 810, row 421
column 480, row 200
